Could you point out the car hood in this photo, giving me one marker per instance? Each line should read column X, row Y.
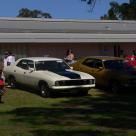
column 70, row 74
column 65, row 75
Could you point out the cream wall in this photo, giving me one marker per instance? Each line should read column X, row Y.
column 128, row 48
column 79, row 49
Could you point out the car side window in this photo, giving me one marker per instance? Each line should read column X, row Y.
column 93, row 63
column 89, row 62
column 98, row 64
column 30, row 63
column 22, row 64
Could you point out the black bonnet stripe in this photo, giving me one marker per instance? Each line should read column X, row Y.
column 69, row 74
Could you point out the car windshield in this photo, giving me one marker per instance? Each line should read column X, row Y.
column 114, row 64
column 54, row 66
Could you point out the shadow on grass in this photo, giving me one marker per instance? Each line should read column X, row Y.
column 42, row 132
column 57, row 94
column 109, row 111
column 114, row 112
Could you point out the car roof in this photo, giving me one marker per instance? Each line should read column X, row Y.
column 105, row 57
column 41, row 58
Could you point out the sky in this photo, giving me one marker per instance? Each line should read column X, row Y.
column 59, row 9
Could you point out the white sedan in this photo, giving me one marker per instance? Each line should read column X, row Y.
column 48, row 74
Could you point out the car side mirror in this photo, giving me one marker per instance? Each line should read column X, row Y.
column 71, row 68
column 31, row 70
column 100, row 68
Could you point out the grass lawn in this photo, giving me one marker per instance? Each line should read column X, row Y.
column 98, row 114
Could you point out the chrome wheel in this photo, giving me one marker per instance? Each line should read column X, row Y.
column 44, row 90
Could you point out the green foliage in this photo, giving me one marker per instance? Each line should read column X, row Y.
column 124, row 11
column 24, row 12
column 91, row 3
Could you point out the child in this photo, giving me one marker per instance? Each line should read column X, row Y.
column 2, row 84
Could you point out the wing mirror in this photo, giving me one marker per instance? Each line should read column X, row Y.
column 31, row 70
column 71, row 68
column 100, row 68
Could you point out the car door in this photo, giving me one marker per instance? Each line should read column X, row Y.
column 20, row 70
column 99, row 72
column 95, row 68
column 30, row 74
column 87, row 66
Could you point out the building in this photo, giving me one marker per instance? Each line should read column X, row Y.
column 43, row 37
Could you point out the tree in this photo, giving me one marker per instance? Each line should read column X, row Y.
column 124, row 11
column 24, row 12
column 91, row 3
column 132, row 1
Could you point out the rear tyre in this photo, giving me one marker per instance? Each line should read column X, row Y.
column 44, row 90
column 83, row 92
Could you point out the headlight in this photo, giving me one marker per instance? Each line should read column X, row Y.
column 59, row 83
column 92, row 81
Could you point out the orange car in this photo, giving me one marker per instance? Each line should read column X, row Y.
column 108, row 71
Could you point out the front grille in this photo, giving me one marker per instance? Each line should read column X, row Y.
column 74, row 82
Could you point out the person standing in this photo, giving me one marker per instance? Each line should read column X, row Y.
column 69, row 56
column 10, row 59
column 2, row 85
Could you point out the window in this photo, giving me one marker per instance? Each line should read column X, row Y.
column 94, row 63
column 114, row 64
column 89, row 62
column 22, row 64
column 98, row 64
column 54, row 66
column 30, row 63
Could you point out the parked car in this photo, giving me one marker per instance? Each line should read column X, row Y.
column 108, row 71
column 48, row 74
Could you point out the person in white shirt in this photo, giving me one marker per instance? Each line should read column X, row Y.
column 10, row 59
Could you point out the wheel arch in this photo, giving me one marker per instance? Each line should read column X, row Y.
column 11, row 76
column 42, row 82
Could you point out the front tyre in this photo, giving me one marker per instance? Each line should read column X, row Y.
column 44, row 90
column 83, row 92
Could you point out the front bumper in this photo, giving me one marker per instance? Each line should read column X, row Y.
column 73, row 87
